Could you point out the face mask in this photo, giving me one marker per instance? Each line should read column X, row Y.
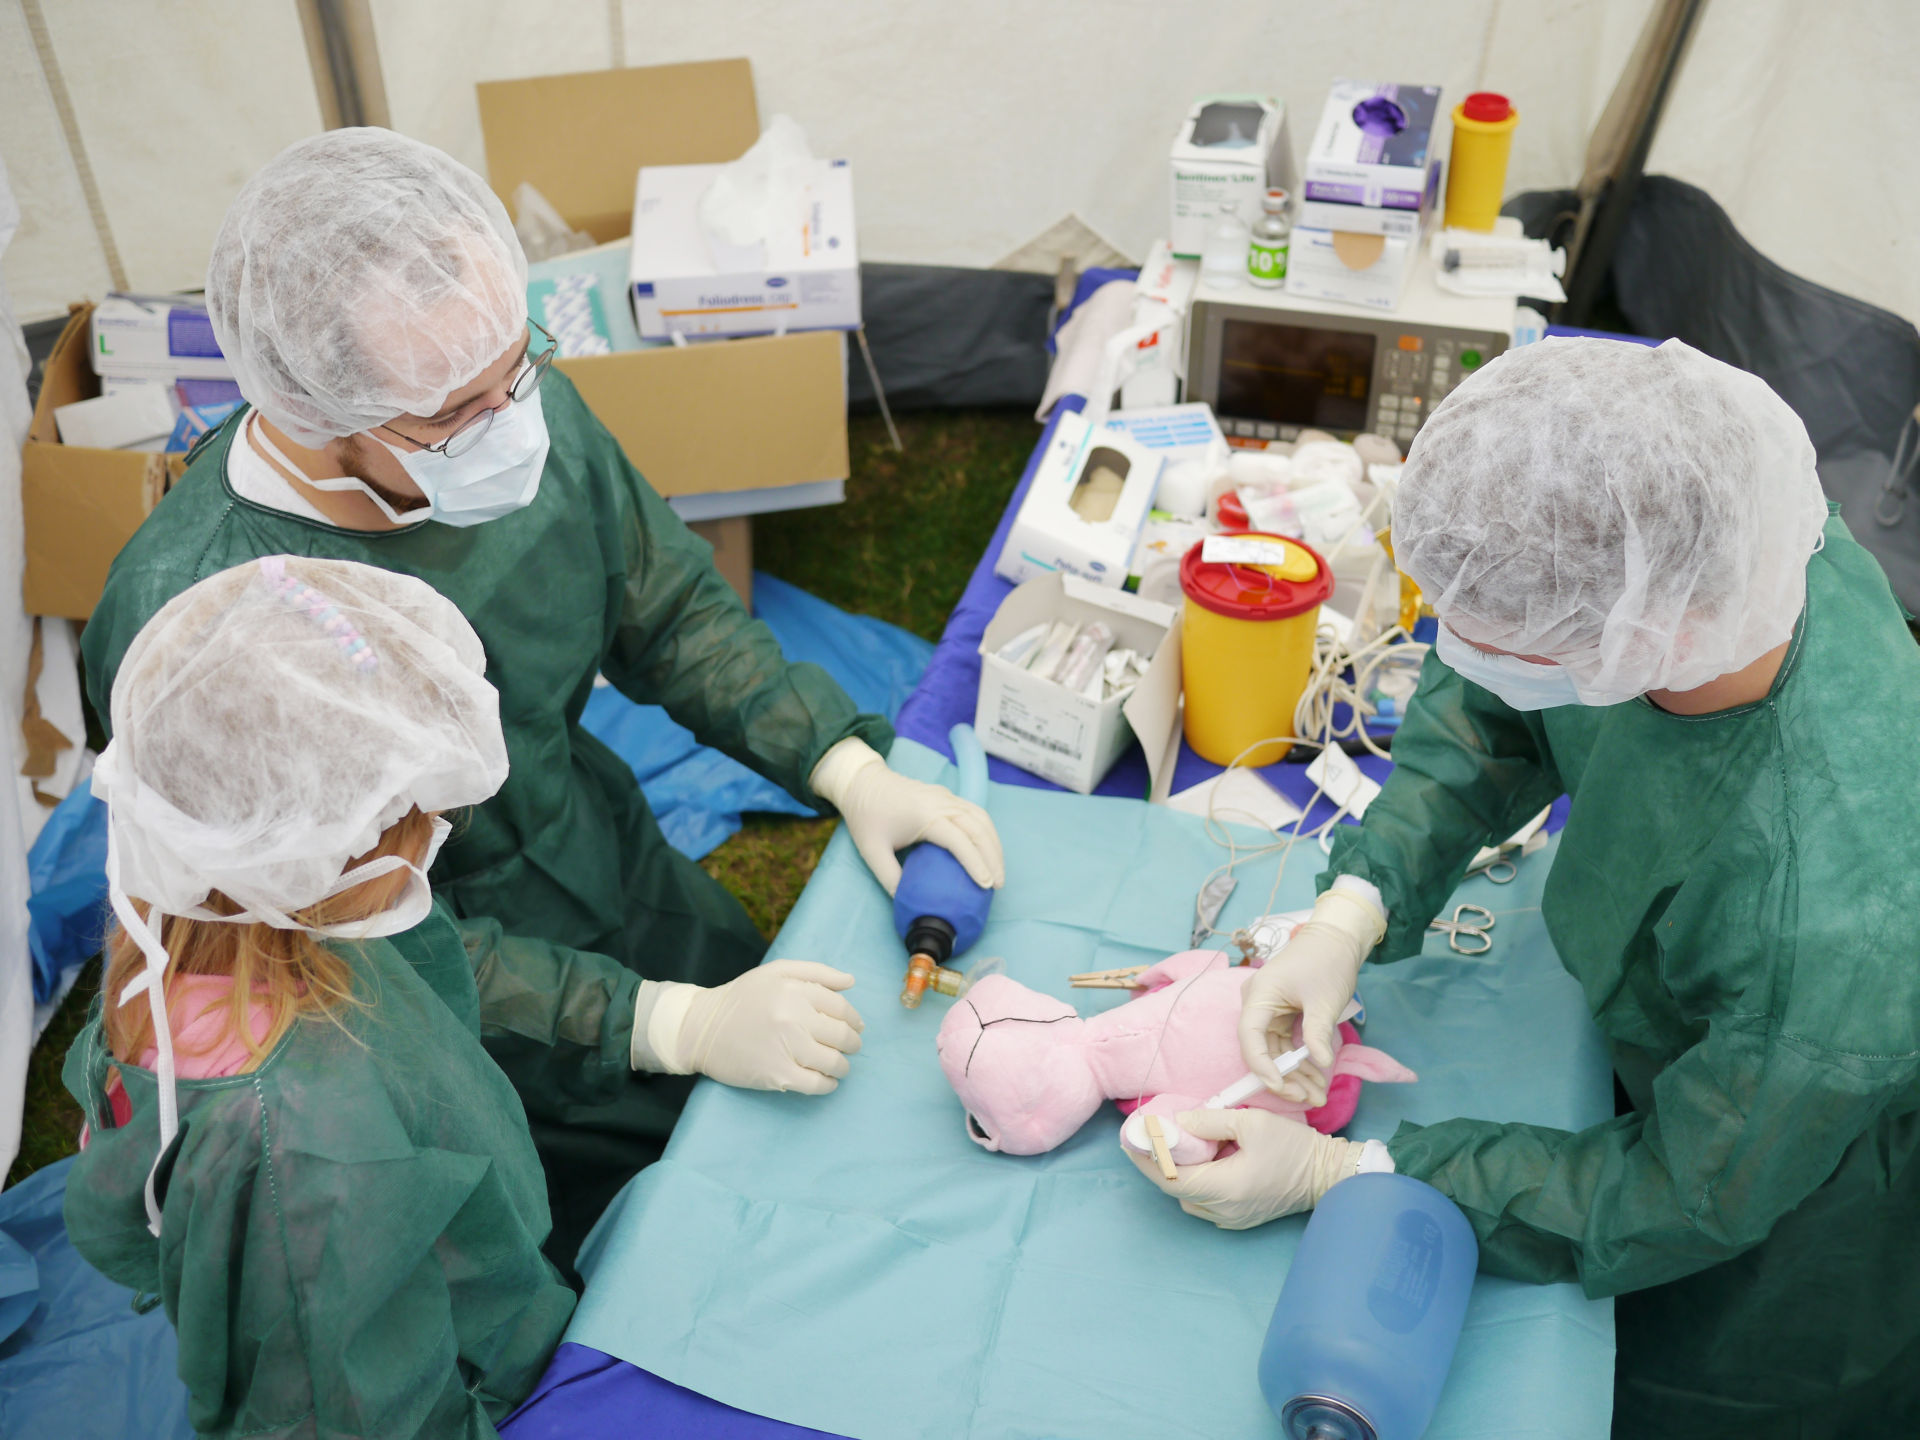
column 497, row 477
column 1521, row 683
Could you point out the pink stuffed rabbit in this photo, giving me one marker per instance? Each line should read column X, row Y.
column 1031, row 1071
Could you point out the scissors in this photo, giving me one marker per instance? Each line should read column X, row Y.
column 1467, row 930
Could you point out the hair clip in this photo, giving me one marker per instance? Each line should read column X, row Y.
column 321, row 611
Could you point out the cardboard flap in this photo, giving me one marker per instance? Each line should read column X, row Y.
column 581, row 139
column 1153, row 710
column 67, row 377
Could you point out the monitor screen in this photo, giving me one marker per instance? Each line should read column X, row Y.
column 1294, row 375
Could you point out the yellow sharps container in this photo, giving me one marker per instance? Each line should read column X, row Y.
column 1246, row 644
column 1477, row 169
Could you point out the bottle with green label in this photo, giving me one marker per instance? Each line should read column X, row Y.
column 1267, row 249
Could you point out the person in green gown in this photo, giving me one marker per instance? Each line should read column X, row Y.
column 1646, row 605
column 370, row 295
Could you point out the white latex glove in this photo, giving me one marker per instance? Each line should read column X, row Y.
column 1311, row 979
column 886, row 812
column 780, row 1027
column 1283, row 1166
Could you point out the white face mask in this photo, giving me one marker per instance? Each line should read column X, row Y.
column 1521, row 683
column 497, row 477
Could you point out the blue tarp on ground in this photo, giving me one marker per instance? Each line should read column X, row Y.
column 66, row 870
column 78, row 1364
column 698, row 794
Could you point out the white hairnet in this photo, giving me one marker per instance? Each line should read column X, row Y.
column 1642, row 516
column 360, row 276
column 270, row 722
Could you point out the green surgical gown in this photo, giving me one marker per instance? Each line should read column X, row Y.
column 597, row 575
column 1739, row 896
column 350, row 1234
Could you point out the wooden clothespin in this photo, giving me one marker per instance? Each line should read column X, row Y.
column 1125, row 978
column 1162, row 1156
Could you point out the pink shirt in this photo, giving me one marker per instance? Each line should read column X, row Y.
column 204, row 1048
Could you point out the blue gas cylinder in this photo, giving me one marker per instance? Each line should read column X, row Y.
column 1364, row 1332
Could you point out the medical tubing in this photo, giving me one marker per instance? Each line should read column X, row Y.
column 971, row 761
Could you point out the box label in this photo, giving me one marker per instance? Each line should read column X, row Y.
column 190, row 335
column 1057, row 732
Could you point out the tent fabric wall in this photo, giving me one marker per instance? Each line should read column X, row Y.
column 977, row 125
column 16, row 964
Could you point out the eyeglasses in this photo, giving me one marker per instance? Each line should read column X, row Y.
column 475, row 430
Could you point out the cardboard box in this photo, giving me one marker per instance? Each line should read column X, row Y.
column 739, row 415
column 1326, row 265
column 1230, row 150
column 1050, row 534
column 79, row 506
column 682, row 283
column 1378, row 146
column 1060, row 735
column 732, row 541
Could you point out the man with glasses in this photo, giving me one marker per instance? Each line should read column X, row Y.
column 370, row 295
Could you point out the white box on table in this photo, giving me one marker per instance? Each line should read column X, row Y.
column 167, row 336
column 1378, row 147
column 1048, row 534
column 805, row 279
column 1060, row 734
column 1230, row 150
column 1317, row 271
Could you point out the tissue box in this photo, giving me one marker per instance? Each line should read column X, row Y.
column 1230, row 150
column 1049, row 534
column 1191, row 448
column 675, row 409
column 683, row 284
column 1378, row 147
column 156, row 335
column 1048, row 729
column 1317, row 270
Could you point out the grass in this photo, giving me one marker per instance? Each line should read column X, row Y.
column 901, row 548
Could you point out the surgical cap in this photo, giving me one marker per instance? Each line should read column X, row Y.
column 270, row 722
column 361, row 276
column 1641, row 516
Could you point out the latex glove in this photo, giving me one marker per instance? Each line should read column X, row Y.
column 886, row 812
column 780, row 1027
column 1283, row 1166
column 1311, row 980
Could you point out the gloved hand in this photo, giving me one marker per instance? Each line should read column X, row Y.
column 780, row 1027
column 886, row 812
column 1283, row 1166
column 1312, row 978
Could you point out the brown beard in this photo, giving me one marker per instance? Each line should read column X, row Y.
column 352, row 457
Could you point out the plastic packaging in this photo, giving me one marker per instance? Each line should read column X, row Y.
column 1224, row 260
column 1366, row 1325
column 1085, row 655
